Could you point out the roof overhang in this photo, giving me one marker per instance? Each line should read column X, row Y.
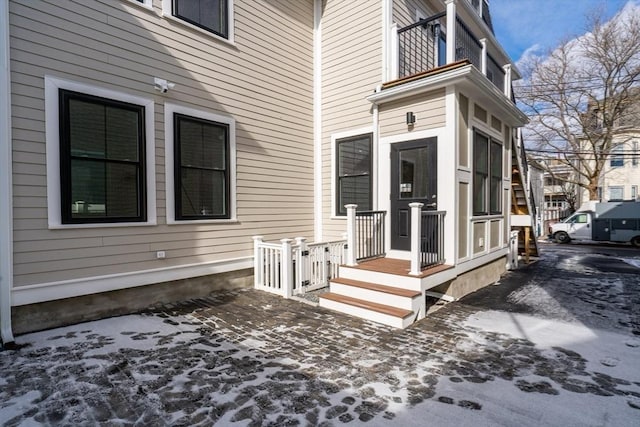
column 466, row 78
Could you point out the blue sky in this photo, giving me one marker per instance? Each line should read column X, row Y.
column 529, row 24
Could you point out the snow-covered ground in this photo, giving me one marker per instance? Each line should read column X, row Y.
column 556, row 344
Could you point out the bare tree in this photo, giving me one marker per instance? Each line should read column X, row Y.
column 578, row 96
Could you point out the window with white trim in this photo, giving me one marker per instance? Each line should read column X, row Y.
column 100, row 155
column 201, row 171
column 353, row 173
column 617, row 157
column 101, row 159
column 200, row 165
column 209, row 15
column 616, row 193
column 487, row 175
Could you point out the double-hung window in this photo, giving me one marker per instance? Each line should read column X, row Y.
column 353, row 172
column 487, row 175
column 201, row 168
column 102, row 160
column 617, row 157
column 210, row 15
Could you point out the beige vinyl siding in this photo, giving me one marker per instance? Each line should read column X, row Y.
column 428, row 108
column 404, row 11
column 263, row 81
column 351, row 70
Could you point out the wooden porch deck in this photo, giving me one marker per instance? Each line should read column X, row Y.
column 398, row 267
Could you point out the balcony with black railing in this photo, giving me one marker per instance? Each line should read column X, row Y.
column 424, row 46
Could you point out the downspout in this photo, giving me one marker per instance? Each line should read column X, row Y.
column 317, row 119
column 6, row 192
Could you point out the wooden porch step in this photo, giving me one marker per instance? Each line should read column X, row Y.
column 408, row 293
column 372, row 306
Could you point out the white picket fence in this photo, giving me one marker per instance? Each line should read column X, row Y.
column 293, row 267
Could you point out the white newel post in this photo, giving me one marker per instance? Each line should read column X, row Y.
column 395, row 54
column 301, row 266
column 258, row 260
column 416, row 232
column 451, row 31
column 286, row 268
column 351, row 235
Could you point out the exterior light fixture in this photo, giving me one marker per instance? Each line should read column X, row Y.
column 411, row 118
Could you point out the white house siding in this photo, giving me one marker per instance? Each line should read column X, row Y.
column 351, row 70
column 263, row 81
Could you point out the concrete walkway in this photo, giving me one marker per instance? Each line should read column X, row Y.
column 555, row 343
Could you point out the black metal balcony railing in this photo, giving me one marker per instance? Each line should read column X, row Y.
column 369, row 234
column 418, row 45
column 421, row 47
column 495, row 72
column 432, row 239
column 467, row 44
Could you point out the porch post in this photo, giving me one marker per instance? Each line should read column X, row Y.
column 351, row 235
column 507, row 80
column 286, row 268
column 258, row 261
column 416, row 232
column 301, row 266
column 483, row 56
column 451, row 31
column 394, row 54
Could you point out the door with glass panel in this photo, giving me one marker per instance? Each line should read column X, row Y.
column 414, row 178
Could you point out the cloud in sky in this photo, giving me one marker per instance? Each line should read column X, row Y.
column 522, row 25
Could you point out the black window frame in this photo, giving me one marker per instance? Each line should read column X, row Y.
column 177, row 169
column 64, row 96
column 487, row 178
column 224, row 33
column 339, row 208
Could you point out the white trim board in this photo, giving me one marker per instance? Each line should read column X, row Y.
column 42, row 292
column 52, row 122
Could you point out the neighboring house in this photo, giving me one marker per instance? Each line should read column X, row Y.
column 621, row 177
column 149, row 141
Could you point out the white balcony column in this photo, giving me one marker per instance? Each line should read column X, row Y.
column 394, row 54
column 286, row 268
column 451, row 31
column 351, row 235
column 483, row 56
column 416, row 232
column 258, row 267
column 507, row 80
column 301, row 266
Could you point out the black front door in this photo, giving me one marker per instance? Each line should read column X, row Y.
column 414, row 178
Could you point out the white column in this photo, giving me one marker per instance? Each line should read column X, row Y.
column 416, row 232
column 301, row 266
column 258, row 261
column 507, row 80
column 6, row 189
column 451, row 31
column 286, row 268
column 483, row 56
column 351, row 235
column 394, row 55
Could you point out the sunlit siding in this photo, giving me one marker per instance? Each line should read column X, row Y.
column 263, row 81
column 351, row 70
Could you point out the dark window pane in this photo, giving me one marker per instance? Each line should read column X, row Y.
column 87, row 128
column 203, row 193
column 208, row 14
column 353, row 173
column 102, row 176
column 414, row 174
column 480, row 173
column 122, row 134
column 202, row 181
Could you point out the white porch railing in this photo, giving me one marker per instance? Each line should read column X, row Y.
column 289, row 269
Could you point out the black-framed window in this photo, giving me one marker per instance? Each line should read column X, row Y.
column 102, row 160
column 202, row 181
column 353, row 172
column 487, row 175
column 210, row 15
